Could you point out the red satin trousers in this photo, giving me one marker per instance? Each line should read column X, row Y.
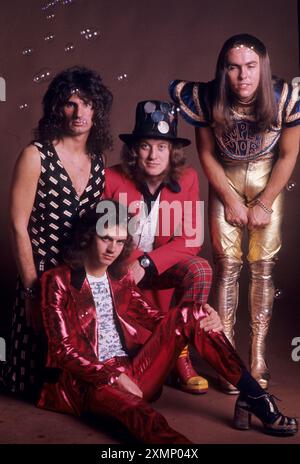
column 150, row 367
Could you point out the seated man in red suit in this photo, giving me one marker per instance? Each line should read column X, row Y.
column 164, row 195
column 111, row 350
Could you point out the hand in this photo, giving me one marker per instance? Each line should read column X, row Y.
column 258, row 218
column 212, row 321
column 236, row 213
column 33, row 314
column 137, row 270
column 125, row 383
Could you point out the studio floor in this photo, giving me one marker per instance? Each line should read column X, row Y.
column 203, row 419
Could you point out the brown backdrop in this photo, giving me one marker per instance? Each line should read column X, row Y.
column 151, row 42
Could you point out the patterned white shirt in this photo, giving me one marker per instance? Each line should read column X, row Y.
column 109, row 341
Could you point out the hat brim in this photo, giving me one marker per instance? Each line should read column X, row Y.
column 131, row 138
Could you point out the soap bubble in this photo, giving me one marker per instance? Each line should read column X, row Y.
column 27, row 51
column 42, row 76
column 122, row 77
column 278, row 294
column 23, row 106
column 291, row 185
column 49, row 37
column 69, row 48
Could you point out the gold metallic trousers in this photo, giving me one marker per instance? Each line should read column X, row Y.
column 248, row 180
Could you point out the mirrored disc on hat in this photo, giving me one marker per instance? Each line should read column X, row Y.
column 157, row 116
column 149, row 107
column 165, row 107
column 163, row 127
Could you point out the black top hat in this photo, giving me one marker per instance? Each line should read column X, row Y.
column 155, row 119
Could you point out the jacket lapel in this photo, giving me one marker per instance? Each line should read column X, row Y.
column 121, row 296
column 84, row 306
column 131, row 328
column 167, row 196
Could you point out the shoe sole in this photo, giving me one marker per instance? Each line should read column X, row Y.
column 231, row 392
column 193, row 391
column 281, row 433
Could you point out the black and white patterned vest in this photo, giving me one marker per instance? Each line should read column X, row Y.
column 57, row 205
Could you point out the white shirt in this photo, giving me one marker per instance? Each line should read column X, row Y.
column 146, row 226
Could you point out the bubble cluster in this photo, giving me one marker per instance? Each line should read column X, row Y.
column 50, row 16
column 49, row 37
column 278, row 293
column 50, row 4
column 90, row 34
column 291, row 185
column 42, row 76
column 23, row 106
column 122, row 77
column 67, row 2
column 69, row 48
column 27, row 51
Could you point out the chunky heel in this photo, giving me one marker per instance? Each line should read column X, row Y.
column 242, row 418
column 265, row 409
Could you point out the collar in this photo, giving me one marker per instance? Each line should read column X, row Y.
column 172, row 185
column 78, row 276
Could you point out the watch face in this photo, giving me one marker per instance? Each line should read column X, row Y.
column 145, row 262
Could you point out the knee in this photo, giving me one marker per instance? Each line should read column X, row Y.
column 111, row 400
column 199, row 269
column 228, row 269
column 262, row 270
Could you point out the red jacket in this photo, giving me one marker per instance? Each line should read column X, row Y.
column 169, row 249
column 69, row 316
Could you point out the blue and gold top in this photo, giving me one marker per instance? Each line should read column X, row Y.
column 241, row 142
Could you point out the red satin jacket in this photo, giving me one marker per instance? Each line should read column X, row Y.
column 69, row 316
column 169, row 248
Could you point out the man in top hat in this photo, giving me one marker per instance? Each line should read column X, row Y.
column 163, row 194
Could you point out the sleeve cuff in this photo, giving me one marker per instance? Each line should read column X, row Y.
column 150, row 273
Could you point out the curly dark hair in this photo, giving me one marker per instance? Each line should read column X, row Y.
column 88, row 85
column 87, row 228
column 129, row 158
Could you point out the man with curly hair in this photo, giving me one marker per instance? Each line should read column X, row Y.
column 58, row 178
column 164, row 195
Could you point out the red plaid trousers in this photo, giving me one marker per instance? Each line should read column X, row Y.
column 191, row 278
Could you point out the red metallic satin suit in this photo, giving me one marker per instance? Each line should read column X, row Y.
column 152, row 341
